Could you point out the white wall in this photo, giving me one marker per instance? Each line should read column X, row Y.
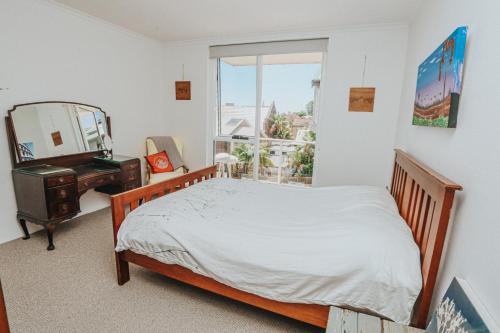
column 469, row 154
column 188, row 119
column 353, row 148
column 51, row 53
column 357, row 147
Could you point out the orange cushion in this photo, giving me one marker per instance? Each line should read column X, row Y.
column 159, row 162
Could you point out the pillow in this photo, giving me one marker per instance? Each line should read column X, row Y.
column 159, row 162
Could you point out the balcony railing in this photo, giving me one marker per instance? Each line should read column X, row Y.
column 280, row 161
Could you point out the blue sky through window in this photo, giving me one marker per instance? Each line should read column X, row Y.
column 288, row 85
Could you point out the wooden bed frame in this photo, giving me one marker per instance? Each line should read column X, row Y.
column 424, row 198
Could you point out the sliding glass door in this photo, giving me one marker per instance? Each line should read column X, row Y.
column 266, row 116
column 287, row 138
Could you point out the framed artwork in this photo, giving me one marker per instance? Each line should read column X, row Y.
column 439, row 83
column 183, row 90
column 460, row 311
column 361, row 99
column 56, row 138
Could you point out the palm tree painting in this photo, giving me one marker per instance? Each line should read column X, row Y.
column 439, row 83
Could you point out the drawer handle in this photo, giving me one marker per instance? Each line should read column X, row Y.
column 63, row 194
column 61, row 179
column 63, row 208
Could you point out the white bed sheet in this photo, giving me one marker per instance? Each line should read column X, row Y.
column 344, row 246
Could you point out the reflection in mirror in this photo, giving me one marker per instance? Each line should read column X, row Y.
column 54, row 129
column 88, row 125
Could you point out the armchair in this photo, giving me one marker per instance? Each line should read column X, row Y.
column 153, row 178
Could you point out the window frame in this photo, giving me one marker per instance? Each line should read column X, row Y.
column 214, row 102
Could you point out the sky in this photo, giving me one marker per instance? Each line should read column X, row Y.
column 289, row 86
column 428, row 84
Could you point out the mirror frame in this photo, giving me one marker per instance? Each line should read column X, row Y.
column 62, row 160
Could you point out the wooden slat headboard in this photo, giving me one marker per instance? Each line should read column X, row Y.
column 424, row 198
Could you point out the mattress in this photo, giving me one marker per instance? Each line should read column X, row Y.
column 342, row 246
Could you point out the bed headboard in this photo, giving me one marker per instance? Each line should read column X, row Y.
column 424, row 198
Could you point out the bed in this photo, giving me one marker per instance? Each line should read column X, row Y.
column 355, row 246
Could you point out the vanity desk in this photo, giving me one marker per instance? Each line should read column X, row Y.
column 48, row 188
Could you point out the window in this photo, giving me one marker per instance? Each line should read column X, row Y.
column 266, row 110
column 237, row 91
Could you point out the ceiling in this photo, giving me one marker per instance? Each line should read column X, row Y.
column 169, row 20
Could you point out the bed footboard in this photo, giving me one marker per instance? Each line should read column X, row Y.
column 124, row 203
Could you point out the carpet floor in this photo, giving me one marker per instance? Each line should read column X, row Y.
column 74, row 289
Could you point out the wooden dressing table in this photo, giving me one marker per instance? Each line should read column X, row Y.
column 48, row 188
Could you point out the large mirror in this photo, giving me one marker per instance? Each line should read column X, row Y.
column 52, row 129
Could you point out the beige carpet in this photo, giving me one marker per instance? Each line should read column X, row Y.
column 73, row 289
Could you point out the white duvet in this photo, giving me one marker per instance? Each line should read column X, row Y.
column 344, row 246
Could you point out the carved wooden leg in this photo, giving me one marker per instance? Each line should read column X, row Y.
column 122, row 271
column 22, row 222
column 50, row 232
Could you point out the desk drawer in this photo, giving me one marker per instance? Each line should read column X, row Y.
column 60, row 180
column 60, row 209
column 61, row 193
column 131, row 166
column 96, row 182
column 130, row 175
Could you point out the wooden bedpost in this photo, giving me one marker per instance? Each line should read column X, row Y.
column 118, row 212
column 122, row 270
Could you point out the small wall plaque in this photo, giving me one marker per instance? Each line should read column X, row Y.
column 183, row 90
column 361, row 99
column 56, row 137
